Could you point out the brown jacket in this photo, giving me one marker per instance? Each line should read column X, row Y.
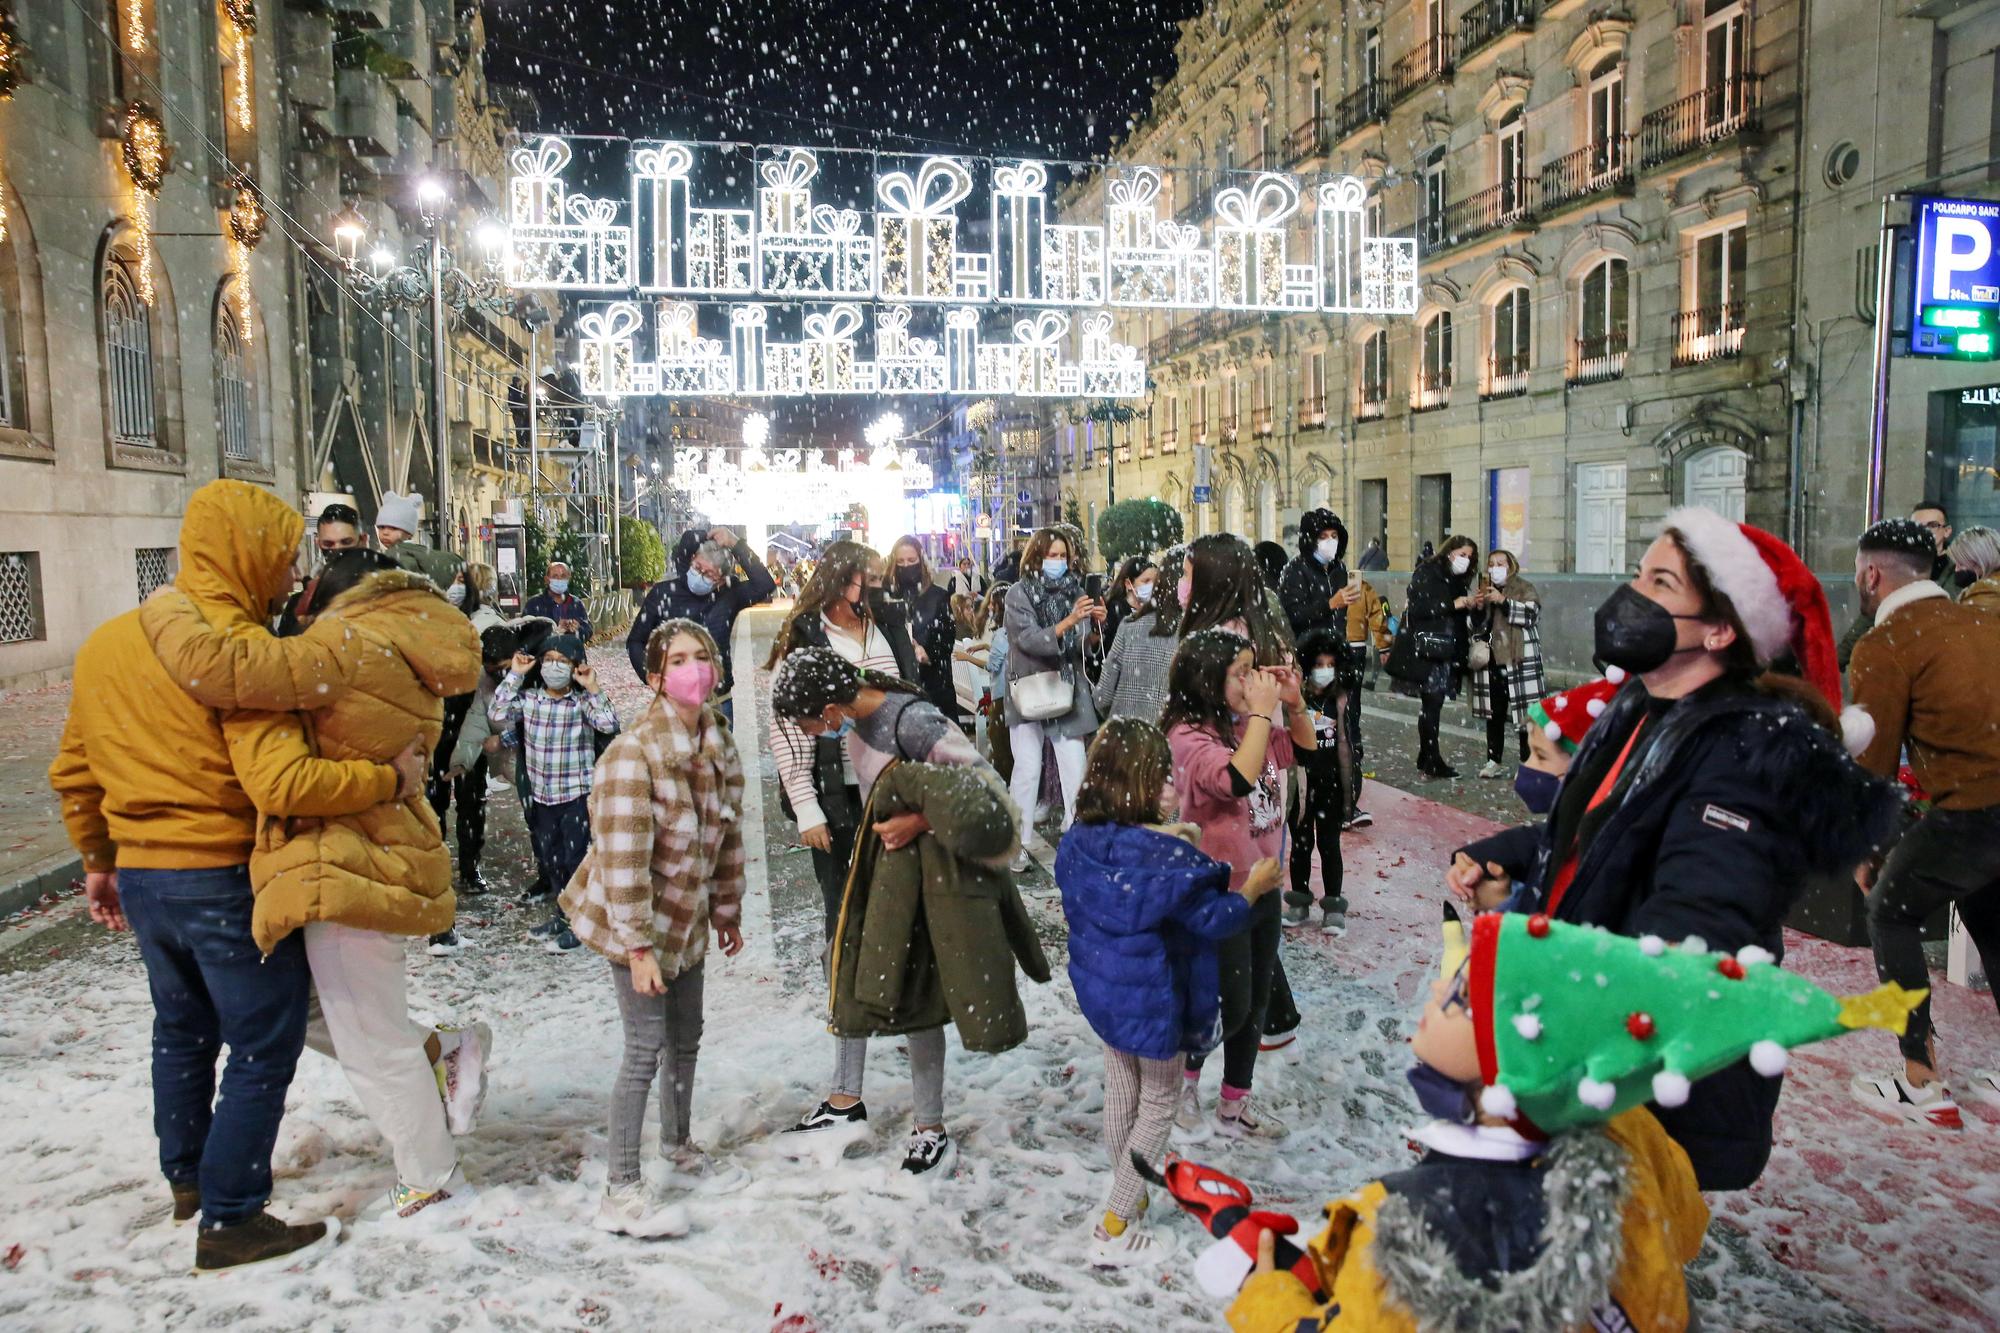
column 1983, row 595
column 1368, row 619
column 1924, row 675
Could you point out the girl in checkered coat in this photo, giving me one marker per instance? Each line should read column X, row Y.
column 1506, row 609
column 665, row 868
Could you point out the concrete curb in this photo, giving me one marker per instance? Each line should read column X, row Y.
column 47, row 877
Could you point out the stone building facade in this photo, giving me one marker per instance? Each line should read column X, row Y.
column 1604, row 203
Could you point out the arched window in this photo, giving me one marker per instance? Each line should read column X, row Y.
column 1374, row 376
column 1434, row 364
column 1507, row 360
column 235, row 396
column 128, row 357
column 1604, row 313
column 1511, row 163
column 1607, row 117
column 1319, row 492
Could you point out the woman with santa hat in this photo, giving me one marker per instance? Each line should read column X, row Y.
column 1708, row 792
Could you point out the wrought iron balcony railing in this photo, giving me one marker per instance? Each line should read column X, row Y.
column 1364, row 106
column 1598, row 168
column 1724, row 109
column 1429, row 63
column 1487, row 22
column 1713, row 333
column 1598, row 359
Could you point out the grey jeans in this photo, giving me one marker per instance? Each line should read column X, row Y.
column 850, row 1062
column 659, row 1030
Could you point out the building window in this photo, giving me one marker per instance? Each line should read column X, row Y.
column 1510, row 162
column 1316, row 100
column 1263, row 421
column 1170, row 421
column 1603, row 322
column 154, row 567
column 1709, row 326
column 128, row 353
column 1434, row 364
column 1267, row 145
column 1371, row 57
column 1232, row 407
column 1371, row 507
column 21, row 597
column 1434, row 508
column 1724, row 27
column 1430, row 222
column 1312, row 402
column 1374, row 376
column 1437, row 25
column 1507, row 364
column 7, row 341
column 1607, row 119
column 235, row 403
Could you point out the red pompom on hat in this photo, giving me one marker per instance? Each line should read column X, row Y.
column 1780, row 603
column 1566, row 715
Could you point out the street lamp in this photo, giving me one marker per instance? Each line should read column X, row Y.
column 428, row 279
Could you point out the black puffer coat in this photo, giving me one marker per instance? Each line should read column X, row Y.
column 1727, row 805
column 1307, row 586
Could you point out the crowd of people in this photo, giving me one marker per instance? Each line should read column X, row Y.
column 1177, row 743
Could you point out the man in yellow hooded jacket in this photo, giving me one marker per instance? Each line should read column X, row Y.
column 160, row 795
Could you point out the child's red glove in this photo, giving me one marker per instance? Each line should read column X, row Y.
column 1221, row 1203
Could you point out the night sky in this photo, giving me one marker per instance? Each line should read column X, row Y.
column 1052, row 79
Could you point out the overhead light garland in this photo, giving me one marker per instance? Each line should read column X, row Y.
column 145, row 154
column 247, row 220
column 10, row 83
column 243, row 26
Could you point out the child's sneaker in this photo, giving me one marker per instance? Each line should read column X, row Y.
column 549, row 927
column 461, row 1074
column 562, row 941
column 1188, row 1117
column 412, row 1207
column 1929, row 1105
column 1236, row 1120
column 1021, row 864
column 693, row 1169
column 929, row 1150
column 1359, row 819
column 445, row 943
column 1493, row 768
column 1285, row 1046
column 262, row 1238
column 627, row 1210
column 1135, row 1247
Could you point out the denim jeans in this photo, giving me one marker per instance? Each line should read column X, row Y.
column 211, row 986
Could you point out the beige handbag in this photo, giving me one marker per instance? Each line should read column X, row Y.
column 1041, row 696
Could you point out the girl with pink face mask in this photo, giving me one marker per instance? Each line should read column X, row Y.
column 665, row 869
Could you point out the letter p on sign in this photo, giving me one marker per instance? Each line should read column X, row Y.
column 1963, row 246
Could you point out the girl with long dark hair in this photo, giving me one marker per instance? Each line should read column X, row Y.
column 1224, row 588
column 1232, row 726
column 1130, row 594
column 1430, row 652
column 928, row 607
column 1133, row 682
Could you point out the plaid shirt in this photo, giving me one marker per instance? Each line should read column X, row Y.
column 559, row 749
column 666, row 842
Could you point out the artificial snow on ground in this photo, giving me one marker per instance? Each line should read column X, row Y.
column 1846, row 1232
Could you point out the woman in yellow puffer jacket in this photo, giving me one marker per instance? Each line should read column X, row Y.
column 370, row 674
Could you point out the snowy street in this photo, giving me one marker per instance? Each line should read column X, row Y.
column 1848, row 1203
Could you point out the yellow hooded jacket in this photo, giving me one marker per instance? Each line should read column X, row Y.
column 151, row 778
column 369, row 676
column 1664, row 1221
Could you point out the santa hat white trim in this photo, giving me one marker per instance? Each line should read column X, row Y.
column 1739, row 573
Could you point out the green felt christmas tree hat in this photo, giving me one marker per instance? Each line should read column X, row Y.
column 1575, row 1024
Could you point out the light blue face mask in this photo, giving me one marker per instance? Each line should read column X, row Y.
column 1052, row 569
column 698, row 583
column 555, row 675
column 840, row 733
column 558, row 586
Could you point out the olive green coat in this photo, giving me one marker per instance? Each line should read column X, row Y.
column 931, row 934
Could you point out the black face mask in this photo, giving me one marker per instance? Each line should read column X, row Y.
column 1635, row 632
column 1442, row 1098
column 909, row 579
column 1536, row 789
column 1964, row 578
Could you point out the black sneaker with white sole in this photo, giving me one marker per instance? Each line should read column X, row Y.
column 549, row 927
column 827, row 1116
column 1359, row 819
column 445, row 943
column 562, row 941
column 929, row 1150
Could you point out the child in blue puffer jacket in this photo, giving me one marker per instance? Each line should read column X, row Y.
column 1145, row 908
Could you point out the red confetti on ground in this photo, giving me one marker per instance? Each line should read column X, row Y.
column 15, row 1254
column 829, row 1266
column 792, row 1323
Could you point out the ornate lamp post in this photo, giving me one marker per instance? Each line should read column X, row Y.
column 429, row 278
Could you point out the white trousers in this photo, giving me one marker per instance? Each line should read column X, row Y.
column 1026, row 788
column 361, row 1017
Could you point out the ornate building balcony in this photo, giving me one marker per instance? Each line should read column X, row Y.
column 1596, row 360
column 1489, row 21
column 1365, row 106
column 1594, row 169
column 1429, row 63
column 1714, row 333
column 1307, row 140
column 1723, row 110
column 1262, row 422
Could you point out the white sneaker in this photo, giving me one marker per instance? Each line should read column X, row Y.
column 461, row 1074
column 1188, row 1118
column 1930, row 1105
column 1022, row 865
column 1493, row 768
column 1285, row 1048
column 694, row 1170
column 1985, row 1085
column 495, row 786
column 627, row 1210
column 1135, row 1247
column 1237, row 1120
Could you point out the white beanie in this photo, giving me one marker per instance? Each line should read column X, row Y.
column 400, row 511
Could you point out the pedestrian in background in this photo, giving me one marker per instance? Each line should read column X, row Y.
column 1431, row 648
column 1925, row 676
column 1975, row 560
column 928, row 608
column 722, row 579
column 1133, row 681
column 1130, row 593
column 1048, row 693
column 1506, row 609
column 559, row 606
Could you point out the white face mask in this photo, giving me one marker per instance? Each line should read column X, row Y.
column 455, row 594
column 1328, row 550
column 555, row 675
column 1143, row 591
column 1498, row 575
column 1322, row 677
column 1460, row 563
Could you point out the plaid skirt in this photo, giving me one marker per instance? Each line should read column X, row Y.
column 1526, row 681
